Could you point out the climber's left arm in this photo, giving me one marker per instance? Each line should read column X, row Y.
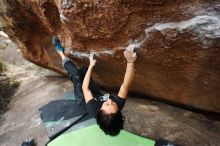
column 130, row 56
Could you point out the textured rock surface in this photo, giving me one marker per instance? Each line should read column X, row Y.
column 179, row 42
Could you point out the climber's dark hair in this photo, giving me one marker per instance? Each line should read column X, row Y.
column 112, row 123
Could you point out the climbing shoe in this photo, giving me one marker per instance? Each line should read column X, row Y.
column 28, row 142
column 57, row 44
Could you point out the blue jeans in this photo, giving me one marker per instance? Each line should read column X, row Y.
column 77, row 76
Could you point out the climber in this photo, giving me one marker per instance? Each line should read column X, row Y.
column 105, row 108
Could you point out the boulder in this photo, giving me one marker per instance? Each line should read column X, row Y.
column 178, row 42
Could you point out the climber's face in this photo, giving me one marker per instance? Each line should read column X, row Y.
column 109, row 107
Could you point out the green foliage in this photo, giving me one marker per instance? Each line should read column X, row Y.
column 8, row 87
column 3, row 46
column 14, row 82
column 2, row 67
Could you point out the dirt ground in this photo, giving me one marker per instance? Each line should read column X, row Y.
column 144, row 117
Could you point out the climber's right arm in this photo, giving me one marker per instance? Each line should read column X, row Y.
column 85, row 86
